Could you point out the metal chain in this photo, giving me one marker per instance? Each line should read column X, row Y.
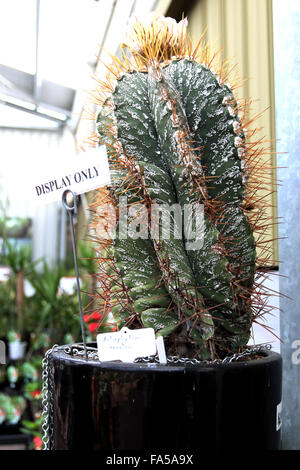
column 186, row 360
column 47, row 400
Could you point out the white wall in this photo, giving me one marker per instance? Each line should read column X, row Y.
column 22, row 153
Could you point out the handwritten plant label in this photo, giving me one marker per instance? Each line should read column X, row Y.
column 81, row 173
column 126, row 345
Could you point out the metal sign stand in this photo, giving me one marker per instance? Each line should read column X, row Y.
column 69, row 201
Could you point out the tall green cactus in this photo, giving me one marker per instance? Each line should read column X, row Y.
column 174, row 137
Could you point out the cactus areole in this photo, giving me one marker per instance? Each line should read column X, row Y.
column 176, row 138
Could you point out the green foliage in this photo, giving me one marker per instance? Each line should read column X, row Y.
column 32, row 427
column 17, row 257
column 55, row 313
column 7, row 308
column 11, row 408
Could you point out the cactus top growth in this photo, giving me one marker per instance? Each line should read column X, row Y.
column 176, row 137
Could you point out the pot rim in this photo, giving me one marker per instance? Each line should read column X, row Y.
column 269, row 356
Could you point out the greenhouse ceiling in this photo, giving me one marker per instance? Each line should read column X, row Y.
column 50, row 49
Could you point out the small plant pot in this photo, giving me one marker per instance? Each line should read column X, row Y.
column 121, row 406
column 16, row 350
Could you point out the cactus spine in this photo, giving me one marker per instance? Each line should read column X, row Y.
column 175, row 136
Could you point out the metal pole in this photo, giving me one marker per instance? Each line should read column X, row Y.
column 69, row 201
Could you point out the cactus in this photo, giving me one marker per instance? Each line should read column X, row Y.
column 175, row 136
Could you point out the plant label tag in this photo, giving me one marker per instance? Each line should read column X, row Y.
column 160, row 346
column 79, row 173
column 126, row 345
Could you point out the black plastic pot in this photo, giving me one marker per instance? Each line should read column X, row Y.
column 116, row 406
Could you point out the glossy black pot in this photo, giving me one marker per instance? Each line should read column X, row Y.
column 115, row 406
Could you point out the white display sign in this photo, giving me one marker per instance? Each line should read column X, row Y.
column 126, row 345
column 80, row 173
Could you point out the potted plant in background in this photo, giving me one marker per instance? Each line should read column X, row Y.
column 8, row 305
column 18, row 259
column 16, row 346
column 176, row 136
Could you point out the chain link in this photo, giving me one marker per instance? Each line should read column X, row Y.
column 47, row 405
